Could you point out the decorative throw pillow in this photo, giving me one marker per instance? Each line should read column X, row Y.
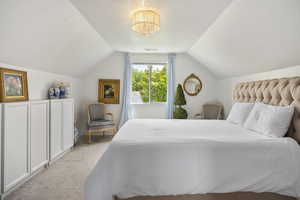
column 270, row 120
column 239, row 112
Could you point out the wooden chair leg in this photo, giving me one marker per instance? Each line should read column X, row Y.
column 90, row 136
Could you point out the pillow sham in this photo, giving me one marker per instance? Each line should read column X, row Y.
column 270, row 120
column 239, row 112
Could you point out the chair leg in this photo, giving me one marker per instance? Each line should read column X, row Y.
column 115, row 198
column 90, row 136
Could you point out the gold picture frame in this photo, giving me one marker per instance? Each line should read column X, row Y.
column 13, row 85
column 109, row 91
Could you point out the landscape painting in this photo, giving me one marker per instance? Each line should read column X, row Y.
column 13, row 85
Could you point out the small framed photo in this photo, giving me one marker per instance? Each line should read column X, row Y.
column 13, row 85
column 109, row 91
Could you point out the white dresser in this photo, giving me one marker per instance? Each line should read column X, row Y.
column 33, row 134
column 61, row 126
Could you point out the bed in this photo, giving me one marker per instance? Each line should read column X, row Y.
column 203, row 159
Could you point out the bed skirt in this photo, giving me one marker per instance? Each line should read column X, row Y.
column 221, row 196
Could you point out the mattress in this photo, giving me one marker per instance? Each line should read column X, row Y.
column 155, row 157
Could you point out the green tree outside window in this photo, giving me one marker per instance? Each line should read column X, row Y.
column 149, row 83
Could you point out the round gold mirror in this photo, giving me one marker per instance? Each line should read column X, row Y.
column 192, row 85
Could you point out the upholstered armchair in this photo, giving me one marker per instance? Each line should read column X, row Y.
column 99, row 121
column 211, row 111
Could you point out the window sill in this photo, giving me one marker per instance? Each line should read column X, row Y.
column 154, row 103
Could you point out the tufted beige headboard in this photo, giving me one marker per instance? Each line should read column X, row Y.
column 279, row 92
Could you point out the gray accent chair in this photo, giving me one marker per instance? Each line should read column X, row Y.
column 98, row 121
column 211, row 111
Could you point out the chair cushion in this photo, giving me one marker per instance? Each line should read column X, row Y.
column 96, row 112
column 101, row 122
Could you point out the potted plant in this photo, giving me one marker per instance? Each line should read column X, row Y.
column 179, row 101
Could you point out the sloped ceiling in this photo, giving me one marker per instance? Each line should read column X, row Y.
column 231, row 37
column 182, row 22
column 252, row 36
column 49, row 35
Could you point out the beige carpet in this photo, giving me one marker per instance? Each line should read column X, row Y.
column 64, row 179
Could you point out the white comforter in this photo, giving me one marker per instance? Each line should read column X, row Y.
column 170, row 157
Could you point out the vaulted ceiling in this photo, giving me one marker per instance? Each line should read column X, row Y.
column 49, row 35
column 252, row 36
column 182, row 22
column 231, row 37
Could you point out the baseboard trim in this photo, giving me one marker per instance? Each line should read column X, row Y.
column 34, row 173
column 59, row 156
column 16, row 186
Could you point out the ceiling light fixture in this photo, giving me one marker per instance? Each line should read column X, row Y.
column 145, row 21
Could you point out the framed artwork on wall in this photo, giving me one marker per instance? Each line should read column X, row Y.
column 13, row 85
column 109, row 91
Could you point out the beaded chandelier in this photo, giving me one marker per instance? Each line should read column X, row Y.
column 145, row 21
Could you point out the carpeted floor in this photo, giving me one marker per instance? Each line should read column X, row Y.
column 64, row 179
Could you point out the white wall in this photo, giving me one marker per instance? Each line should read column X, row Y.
column 113, row 68
column 40, row 81
column 226, row 86
column 184, row 66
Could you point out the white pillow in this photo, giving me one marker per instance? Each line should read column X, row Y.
column 239, row 112
column 270, row 120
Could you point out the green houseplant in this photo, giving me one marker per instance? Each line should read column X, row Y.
column 179, row 101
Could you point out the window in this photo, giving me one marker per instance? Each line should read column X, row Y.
column 149, row 83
